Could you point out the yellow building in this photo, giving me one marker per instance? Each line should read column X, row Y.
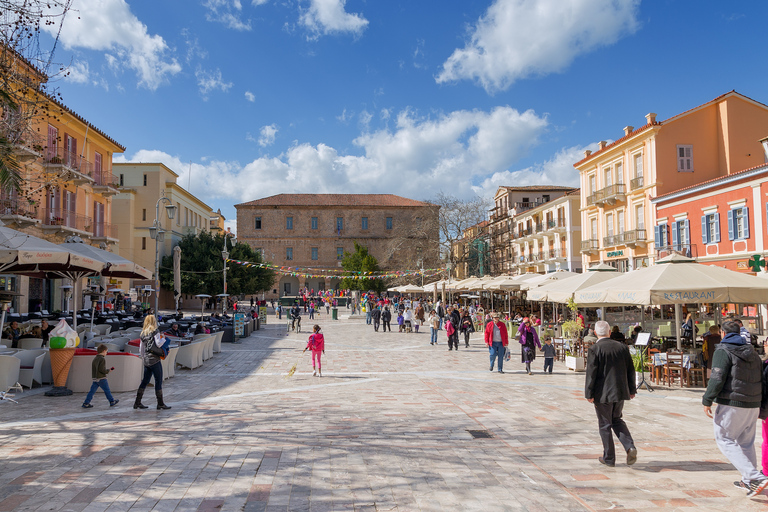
column 67, row 182
column 135, row 209
column 619, row 179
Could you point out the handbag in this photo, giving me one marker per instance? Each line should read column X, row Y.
column 158, row 350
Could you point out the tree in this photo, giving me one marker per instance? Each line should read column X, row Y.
column 202, row 267
column 26, row 72
column 456, row 218
column 360, row 261
column 416, row 244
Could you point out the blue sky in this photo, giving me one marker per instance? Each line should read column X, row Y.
column 260, row 97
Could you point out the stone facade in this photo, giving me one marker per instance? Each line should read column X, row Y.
column 313, row 230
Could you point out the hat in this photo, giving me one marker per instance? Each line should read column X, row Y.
column 526, row 319
column 495, row 315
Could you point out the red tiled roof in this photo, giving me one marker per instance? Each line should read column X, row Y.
column 82, row 120
column 732, row 176
column 574, row 192
column 381, row 200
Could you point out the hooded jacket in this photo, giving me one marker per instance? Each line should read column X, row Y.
column 316, row 342
column 736, row 374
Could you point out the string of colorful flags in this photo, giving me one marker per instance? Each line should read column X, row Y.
column 340, row 274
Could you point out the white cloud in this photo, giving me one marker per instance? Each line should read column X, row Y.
column 231, row 224
column 227, row 12
column 110, row 26
column 516, row 39
column 345, row 116
column 365, row 120
column 267, row 135
column 250, row 96
column 558, row 170
column 78, row 72
column 208, row 81
column 325, row 17
column 417, row 158
column 259, row 2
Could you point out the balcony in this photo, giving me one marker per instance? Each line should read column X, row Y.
column 611, row 241
column 539, row 227
column 636, row 183
column 24, row 154
column 591, row 245
column 59, row 220
column 609, row 195
column 689, row 250
column 105, row 232
column 105, row 183
column 17, row 212
column 523, row 206
column 556, row 224
column 69, row 165
column 633, row 237
column 556, row 254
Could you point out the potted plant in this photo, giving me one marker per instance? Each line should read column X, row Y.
column 571, row 330
column 639, row 356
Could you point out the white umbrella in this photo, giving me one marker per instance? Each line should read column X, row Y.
column 563, row 289
column 411, row 288
column 546, row 278
column 501, row 283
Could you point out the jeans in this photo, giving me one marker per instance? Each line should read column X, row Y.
column 497, row 350
column 375, row 325
column 440, row 324
column 368, row 317
column 549, row 362
column 311, row 314
column 735, row 429
column 609, row 422
column 385, row 326
column 466, row 338
column 103, row 384
column 433, row 333
column 156, row 371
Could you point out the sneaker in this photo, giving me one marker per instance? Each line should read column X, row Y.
column 87, row 406
column 314, row 373
column 631, row 456
column 113, row 403
column 501, row 371
column 491, row 368
column 741, row 485
column 756, row 487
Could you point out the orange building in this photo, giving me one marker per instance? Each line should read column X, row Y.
column 710, row 141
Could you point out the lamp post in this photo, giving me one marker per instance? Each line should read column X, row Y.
column 225, row 257
column 157, row 233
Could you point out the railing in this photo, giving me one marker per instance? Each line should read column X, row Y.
column 556, row 223
column 633, row 236
column 592, row 244
column 66, row 218
column 689, row 250
column 106, row 179
column 521, row 206
column 611, row 240
column 20, row 207
column 636, row 183
column 555, row 254
column 540, row 256
column 538, row 227
column 609, row 194
column 104, row 230
column 68, row 159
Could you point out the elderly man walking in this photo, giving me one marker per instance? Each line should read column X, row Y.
column 497, row 339
column 610, row 380
column 736, row 387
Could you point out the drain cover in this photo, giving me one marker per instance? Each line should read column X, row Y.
column 480, row 434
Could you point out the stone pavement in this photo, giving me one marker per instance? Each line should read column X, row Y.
column 385, row 428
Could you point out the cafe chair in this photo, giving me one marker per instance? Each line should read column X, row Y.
column 674, row 369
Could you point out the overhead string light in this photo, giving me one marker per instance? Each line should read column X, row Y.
column 339, row 274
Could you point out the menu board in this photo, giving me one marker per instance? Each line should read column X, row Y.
column 263, row 314
column 239, row 324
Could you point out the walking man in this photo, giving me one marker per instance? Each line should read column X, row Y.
column 376, row 316
column 736, row 387
column 386, row 317
column 610, row 380
column 497, row 339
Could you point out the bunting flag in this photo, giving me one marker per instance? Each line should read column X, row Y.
column 339, row 274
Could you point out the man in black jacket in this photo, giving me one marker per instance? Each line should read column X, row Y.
column 736, row 387
column 386, row 317
column 376, row 316
column 610, row 380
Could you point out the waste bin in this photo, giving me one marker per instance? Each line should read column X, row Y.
column 334, row 314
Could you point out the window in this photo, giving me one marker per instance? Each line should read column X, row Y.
column 681, row 235
column 641, row 262
column 545, row 198
column 609, row 224
column 257, row 223
column 289, row 253
column 592, row 184
column 122, row 180
column 608, row 177
column 313, row 223
column 640, row 216
column 661, row 235
column 144, row 214
column 339, row 224
column 593, row 227
column 525, row 199
column 143, row 243
column 97, row 167
column 738, row 223
column 684, row 158
column 289, row 223
column 639, row 165
column 364, row 223
column 339, row 253
column 314, row 253
column 619, row 173
column 620, row 222
column 389, row 222
column 145, row 180
column 710, row 228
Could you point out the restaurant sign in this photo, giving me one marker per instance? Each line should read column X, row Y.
column 612, row 254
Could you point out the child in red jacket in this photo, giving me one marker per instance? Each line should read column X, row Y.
column 316, row 344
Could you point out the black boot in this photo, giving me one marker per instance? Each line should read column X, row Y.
column 160, row 403
column 137, row 404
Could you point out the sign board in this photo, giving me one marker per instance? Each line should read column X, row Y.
column 612, row 254
column 643, row 338
column 263, row 315
column 239, row 324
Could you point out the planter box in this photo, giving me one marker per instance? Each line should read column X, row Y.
column 574, row 363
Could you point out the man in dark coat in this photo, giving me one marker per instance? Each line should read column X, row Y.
column 386, row 317
column 610, row 380
column 376, row 316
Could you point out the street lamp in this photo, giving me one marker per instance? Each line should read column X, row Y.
column 225, row 257
column 157, row 233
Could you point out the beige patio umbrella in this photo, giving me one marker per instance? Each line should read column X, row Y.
column 411, row 288
column 562, row 290
column 504, row 283
column 535, row 282
column 677, row 280
column 458, row 284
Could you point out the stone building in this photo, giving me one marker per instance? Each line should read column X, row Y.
column 315, row 230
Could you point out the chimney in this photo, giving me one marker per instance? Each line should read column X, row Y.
column 587, row 152
column 601, row 145
column 628, row 129
column 650, row 118
column 764, row 142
